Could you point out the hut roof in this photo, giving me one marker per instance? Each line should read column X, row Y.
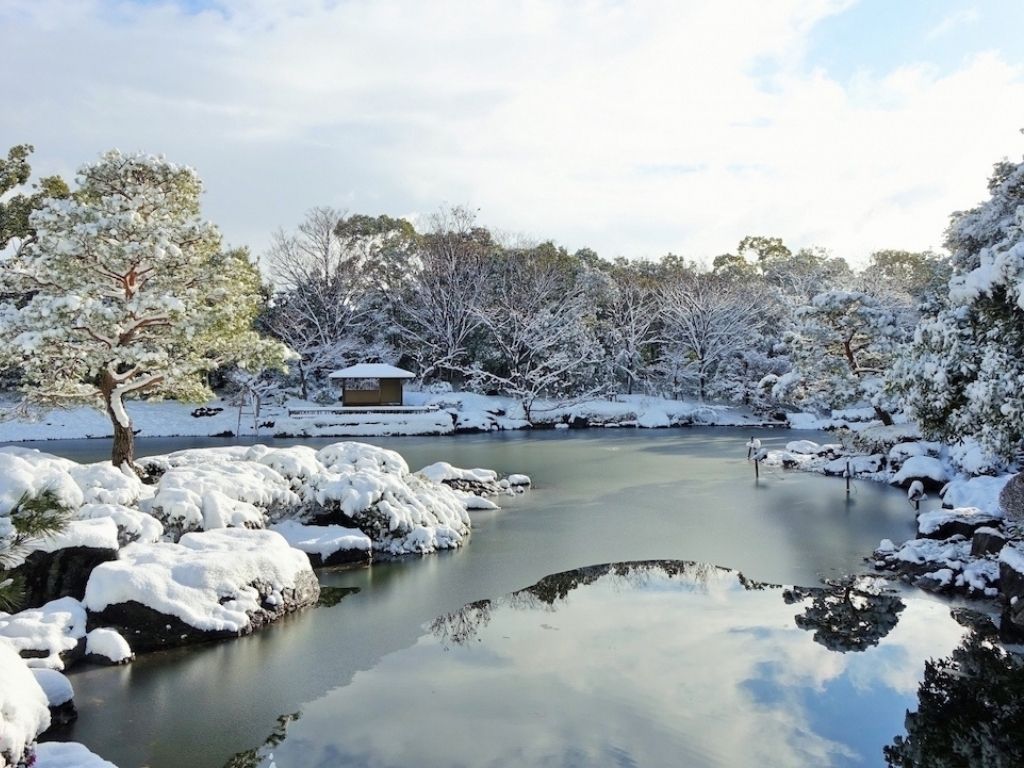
column 372, row 371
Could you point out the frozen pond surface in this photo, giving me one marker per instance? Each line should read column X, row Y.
column 655, row 664
column 599, row 497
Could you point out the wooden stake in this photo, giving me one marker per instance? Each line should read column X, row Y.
column 847, row 478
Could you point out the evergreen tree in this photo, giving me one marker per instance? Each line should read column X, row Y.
column 964, row 373
column 132, row 295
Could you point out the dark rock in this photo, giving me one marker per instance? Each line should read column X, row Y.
column 1011, row 587
column 986, row 541
column 942, row 525
column 47, row 576
column 930, row 583
column 579, row 422
column 69, row 657
column 146, row 629
column 342, row 557
column 1011, row 498
column 62, row 715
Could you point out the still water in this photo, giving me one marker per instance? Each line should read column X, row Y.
column 598, row 497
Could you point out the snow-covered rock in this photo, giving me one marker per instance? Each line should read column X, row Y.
column 442, row 471
column 987, row 541
column 326, row 545
column 132, row 525
column 24, row 709
column 981, row 492
column 68, row 754
column 803, row 447
column 1011, row 497
column 928, row 469
column 214, row 584
column 519, row 480
column 1011, row 584
column 858, row 466
column 944, row 523
column 219, row 494
column 93, row 533
column 107, row 646
column 60, row 696
column 50, row 636
column 478, row 503
column 24, row 471
column 59, row 565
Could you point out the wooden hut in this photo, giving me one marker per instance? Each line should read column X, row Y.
column 367, row 385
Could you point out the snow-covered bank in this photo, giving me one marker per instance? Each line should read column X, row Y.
column 452, row 412
column 220, row 541
column 969, row 532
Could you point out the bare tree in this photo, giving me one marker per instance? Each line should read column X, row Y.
column 322, row 308
column 435, row 312
column 709, row 321
column 539, row 325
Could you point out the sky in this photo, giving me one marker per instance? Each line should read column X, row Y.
column 632, row 128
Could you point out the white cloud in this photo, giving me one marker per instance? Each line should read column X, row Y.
column 952, row 22
column 632, row 128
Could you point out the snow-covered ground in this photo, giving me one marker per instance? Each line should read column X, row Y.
column 461, row 411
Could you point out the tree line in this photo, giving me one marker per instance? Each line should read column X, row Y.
column 116, row 288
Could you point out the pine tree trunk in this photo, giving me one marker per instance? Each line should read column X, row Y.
column 123, row 450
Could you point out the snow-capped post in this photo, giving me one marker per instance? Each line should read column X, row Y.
column 753, row 445
column 131, row 295
column 915, row 494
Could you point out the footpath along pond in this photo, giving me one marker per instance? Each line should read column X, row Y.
column 377, row 679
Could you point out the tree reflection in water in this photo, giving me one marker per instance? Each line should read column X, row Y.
column 970, row 711
column 851, row 614
column 463, row 625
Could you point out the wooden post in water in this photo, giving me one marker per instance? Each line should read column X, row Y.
column 847, row 477
column 750, row 447
column 757, row 465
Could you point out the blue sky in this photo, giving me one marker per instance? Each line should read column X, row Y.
column 634, row 128
column 880, row 35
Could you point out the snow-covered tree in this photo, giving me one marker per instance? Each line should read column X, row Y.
column 538, row 325
column 631, row 324
column 843, row 344
column 964, row 374
column 17, row 207
column 324, row 309
column 435, row 310
column 131, row 295
column 710, row 321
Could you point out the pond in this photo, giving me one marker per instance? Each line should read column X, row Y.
column 599, row 497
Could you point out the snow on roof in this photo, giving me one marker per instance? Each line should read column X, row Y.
column 372, row 371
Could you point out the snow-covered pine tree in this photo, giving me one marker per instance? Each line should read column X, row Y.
column 841, row 347
column 130, row 294
column 964, row 374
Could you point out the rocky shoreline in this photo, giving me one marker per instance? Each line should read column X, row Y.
column 215, row 544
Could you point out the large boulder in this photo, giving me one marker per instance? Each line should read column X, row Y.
column 1011, row 498
column 211, row 585
column 327, row 545
column 60, row 696
column 945, row 523
column 59, row 565
column 987, row 541
column 931, row 473
column 1011, row 585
